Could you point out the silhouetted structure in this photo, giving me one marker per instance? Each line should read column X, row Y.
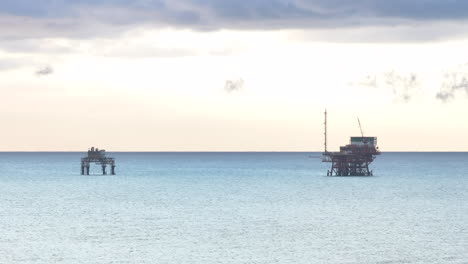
column 354, row 158
column 97, row 156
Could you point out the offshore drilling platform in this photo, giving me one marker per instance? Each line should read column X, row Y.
column 97, row 156
column 354, row 158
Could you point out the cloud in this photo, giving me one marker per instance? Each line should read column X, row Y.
column 12, row 63
column 454, row 81
column 402, row 85
column 47, row 70
column 145, row 52
column 89, row 18
column 24, row 62
column 8, row 64
column 35, row 46
column 233, row 85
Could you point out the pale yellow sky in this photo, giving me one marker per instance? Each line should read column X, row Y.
column 163, row 90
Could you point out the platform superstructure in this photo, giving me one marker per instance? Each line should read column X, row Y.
column 352, row 159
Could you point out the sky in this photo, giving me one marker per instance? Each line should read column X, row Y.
column 232, row 75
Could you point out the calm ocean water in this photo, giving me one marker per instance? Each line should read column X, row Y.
column 233, row 208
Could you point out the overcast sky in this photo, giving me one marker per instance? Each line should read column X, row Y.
column 207, row 75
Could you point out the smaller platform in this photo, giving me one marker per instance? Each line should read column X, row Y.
column 97, row 156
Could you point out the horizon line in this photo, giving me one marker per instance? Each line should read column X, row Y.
column 223, row 151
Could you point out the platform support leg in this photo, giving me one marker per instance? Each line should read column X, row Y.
column 104, row 170
column 82, row 169
column 113, row 169
column 87, row 170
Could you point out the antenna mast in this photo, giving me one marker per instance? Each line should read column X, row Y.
column 325, row 134
column 360, row 128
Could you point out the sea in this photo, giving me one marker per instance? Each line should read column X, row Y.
column 236, row 207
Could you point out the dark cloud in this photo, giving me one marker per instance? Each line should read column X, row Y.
column 81, row 18
column 454, row 81
column 420, row 9
column 252, row 9
column 368, row 81
column 402, row 85
column 233, row 85
column 444, row 96
column 47, row 70
column 405, row 85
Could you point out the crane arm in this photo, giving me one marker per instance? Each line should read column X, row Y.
column 360, row 127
